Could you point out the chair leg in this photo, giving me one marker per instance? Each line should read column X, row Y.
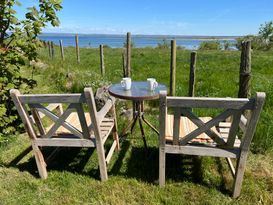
column 41, row 165
column 115, row 135
column 116, row 138
column 239, row 175
column 102, row 162
column 115, row 128
column 162, row 162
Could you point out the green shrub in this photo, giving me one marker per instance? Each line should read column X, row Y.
column 88, row 79
column 227, row 45
column 181, row 48
column 106, row 46
column 164, row 45
column 262, row 41
column 210, row 45
column 256, row 42
column 10, row 77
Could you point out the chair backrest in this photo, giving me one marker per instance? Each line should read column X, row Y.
column 31, row 107
column 236, row 108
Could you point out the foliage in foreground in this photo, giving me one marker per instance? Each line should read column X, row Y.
column 10, row 77
column 18, row 46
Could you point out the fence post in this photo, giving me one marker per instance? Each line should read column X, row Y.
column 49, row 49
column 124, row 62
column 52, row 50
column 128, row 55
column 192, row 74
column 44, row 44
column 62, row 49
column 245, row 70
column 173, row 67
column 77, row 48
column 102, row 68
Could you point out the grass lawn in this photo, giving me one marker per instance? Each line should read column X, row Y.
column 73, row 174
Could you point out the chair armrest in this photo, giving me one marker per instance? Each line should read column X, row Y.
column 106, row 108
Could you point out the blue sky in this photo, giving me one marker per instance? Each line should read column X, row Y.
column 174, row 17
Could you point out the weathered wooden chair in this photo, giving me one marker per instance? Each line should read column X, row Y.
column 71, row 128
column 185, row 133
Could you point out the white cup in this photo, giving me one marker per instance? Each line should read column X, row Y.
column 126, row 83
column 152, row 84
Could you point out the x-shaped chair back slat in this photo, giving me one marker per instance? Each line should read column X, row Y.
column 233, row 108
column 205, row 127
column 75, row 105
column 61, row 120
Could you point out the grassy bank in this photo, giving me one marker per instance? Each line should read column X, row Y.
column 73, row 175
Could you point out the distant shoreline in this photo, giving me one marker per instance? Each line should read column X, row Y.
column 139, row 41
column 191, row 37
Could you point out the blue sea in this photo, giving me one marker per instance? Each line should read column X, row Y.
column 139, row 41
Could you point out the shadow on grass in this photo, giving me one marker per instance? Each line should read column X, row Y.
column 65, row 159
column 224, row 182
column 75, row 160
column 144, row 165
column 140, row 164
column 124, row 147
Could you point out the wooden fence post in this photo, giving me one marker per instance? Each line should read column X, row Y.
column 173, row 68
column 128, row 55
column 192, row 74
column 102, row 68
column 124, row 62
column 62, row 49
column 52, row 50
column 49, row 49
column 44, row 44
column 245, row 70
column 77, row 48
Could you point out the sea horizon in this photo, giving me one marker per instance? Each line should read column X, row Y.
column 148, row 35
column 190, row 42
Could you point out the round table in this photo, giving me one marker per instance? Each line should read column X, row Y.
column 137, row 94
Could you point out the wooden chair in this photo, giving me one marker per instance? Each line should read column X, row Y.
column 70, row 128
column 185, row 133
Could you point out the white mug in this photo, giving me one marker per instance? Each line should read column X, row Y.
column 152, row 84
column 126, row 83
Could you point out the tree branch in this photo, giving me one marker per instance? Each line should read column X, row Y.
column 5, row 27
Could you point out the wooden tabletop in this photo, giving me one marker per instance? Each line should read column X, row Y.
column 139, row 91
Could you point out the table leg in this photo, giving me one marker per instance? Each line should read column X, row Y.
column 149, row 124
column 142, row 133
column 134, row 108
column 133, row 125
column 138, row 115
column 132, row 122
column 144, row 120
